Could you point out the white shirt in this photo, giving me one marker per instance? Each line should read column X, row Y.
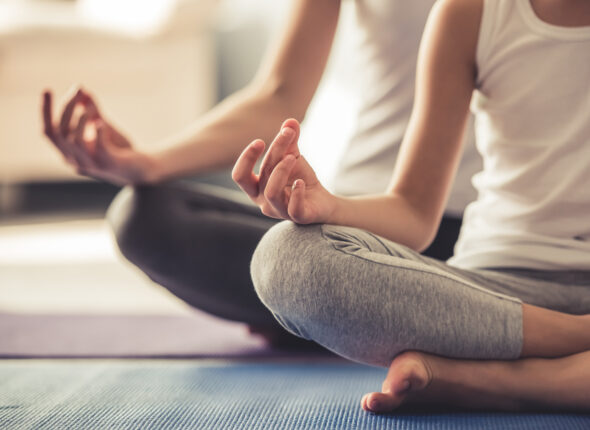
column 388, row 36
column 532, row 111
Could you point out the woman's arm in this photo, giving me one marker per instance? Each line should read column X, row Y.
column 283, row 87
column 409, row 213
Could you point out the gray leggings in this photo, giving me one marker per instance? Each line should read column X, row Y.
column 368, row 299
column 197, row 241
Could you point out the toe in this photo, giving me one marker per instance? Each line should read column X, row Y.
column 381, row 402
column 407, row 375
column 364, row 402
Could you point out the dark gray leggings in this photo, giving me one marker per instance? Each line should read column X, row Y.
column 197, row 241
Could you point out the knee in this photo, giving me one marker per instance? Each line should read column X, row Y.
column 133, row 218
column 277, row 266
column 287, row 272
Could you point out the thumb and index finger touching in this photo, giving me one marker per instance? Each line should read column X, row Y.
column 284, row 143
column 80, row 97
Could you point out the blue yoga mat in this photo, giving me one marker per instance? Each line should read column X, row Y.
column 186, row 394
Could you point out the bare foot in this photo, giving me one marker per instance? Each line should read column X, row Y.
column 531, row 384
column 409, row 374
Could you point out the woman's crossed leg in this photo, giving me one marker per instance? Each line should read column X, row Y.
column 507, row 340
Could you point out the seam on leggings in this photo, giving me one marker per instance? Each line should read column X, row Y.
column 423, row 268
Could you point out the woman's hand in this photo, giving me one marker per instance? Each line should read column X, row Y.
column 287, row 187
column 93, row 146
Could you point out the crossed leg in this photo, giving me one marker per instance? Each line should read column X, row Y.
column 502, row 340
column 529, row 383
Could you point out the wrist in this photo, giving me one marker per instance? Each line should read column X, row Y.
column 335, row 212
column 152, row 171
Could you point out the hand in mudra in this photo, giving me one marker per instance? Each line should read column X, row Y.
column 286, row 187
column 92, row 145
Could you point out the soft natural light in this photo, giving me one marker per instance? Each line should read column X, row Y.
column 328, row 126
column 130, row 16
column 55, row 243
column 331, row 118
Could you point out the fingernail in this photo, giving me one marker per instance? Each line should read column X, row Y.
column 288, row 132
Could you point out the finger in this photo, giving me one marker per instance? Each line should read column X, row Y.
column 65, row 148
column 294, row 124
column 364, row 403
column 243, row 171
column 91, row 107
column 296, row 208
column 102, row 154
column 48, row 115
column 285, row 142
column 82, row 160
column 78, row 146
column 50, row 130
column 66, row 116
column 275, row 188
column 114, row 138
column 79, row 133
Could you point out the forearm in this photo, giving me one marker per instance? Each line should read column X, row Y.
column 215, row 140
column 283, row 88
column 390, row 216
column 410, row 212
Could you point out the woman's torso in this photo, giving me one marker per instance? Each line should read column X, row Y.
column 388, row 35
column 532, row 111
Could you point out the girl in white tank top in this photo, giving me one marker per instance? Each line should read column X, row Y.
column 528, row 62
column 532, row 107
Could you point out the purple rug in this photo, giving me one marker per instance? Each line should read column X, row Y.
column 134, row 336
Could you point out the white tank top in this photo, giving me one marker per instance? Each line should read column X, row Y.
column 532, row 112
column 388, row 34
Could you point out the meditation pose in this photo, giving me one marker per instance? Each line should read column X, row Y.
column 505, row 323
column 198, row 240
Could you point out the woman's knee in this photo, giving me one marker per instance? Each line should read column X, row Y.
column 272, row 263
column 310, row 286
column 287, row 270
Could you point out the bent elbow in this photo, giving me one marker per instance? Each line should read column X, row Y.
column 430, row 231
column 426, row 233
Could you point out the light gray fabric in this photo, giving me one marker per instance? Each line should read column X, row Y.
column 368, row 299
column 197, row 241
